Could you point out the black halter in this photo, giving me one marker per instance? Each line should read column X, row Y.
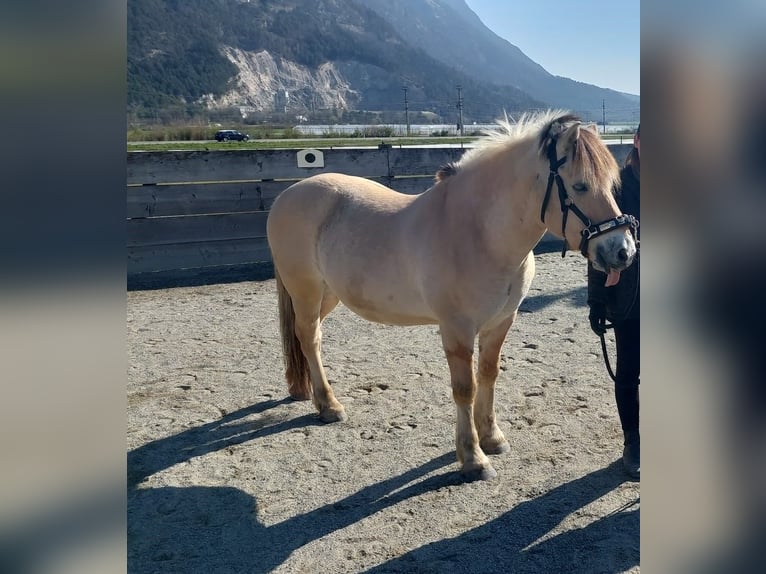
column 591, row 229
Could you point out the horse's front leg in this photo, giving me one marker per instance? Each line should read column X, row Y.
column 491, row 438
column 458, row 346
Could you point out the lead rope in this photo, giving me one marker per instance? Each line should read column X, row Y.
column 602, row 336
column 606, row 355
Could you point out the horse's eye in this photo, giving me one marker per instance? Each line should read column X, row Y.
column 580, row 187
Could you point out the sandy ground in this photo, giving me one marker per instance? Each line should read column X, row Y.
column 227, row 475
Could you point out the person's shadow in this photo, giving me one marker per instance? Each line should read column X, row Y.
column 216, row 529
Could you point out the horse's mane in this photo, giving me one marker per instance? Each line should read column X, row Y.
column 445, row 171
column 591, row 157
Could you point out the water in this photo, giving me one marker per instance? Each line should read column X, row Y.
column 420, row 129
column 397, row 129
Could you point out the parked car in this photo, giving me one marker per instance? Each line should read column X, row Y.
column 226, row 135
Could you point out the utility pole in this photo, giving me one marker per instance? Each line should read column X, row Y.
column 406, row 110
column 460, row 109
column 603, row 115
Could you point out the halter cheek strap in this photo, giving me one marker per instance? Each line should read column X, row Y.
column 591, row 229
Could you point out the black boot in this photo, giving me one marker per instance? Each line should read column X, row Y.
column 631, row 454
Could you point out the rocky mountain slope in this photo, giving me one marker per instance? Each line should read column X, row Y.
column 303, row 56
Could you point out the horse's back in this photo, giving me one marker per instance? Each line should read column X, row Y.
column 313, row 199
column 324, row 202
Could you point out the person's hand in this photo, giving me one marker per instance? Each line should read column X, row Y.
column 597, row 317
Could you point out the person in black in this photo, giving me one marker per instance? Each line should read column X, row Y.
column 620, row 305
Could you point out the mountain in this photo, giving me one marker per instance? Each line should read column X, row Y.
column 309, row 56
column 324, row 54
column 449, row 31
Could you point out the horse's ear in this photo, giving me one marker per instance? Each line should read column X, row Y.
column 591, row 127
column 555, row 130
column 570, row 136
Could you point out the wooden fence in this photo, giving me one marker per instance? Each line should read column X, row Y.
column 202, row 209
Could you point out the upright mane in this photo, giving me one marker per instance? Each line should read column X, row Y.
column 590, row 157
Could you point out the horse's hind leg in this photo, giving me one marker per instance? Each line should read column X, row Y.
column 311, row 306
column 491, row 438
column 458, row 346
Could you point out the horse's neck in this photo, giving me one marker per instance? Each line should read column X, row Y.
column 506, row 200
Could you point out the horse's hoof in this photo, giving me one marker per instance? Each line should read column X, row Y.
column 333, row 415
column 497, row 448
column 479, row 473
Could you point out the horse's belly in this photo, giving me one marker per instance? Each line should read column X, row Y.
column 390, row 316
column 384, row 302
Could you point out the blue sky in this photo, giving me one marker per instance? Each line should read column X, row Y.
column 593, row 41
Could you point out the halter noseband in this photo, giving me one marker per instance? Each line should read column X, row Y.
column 591, row 229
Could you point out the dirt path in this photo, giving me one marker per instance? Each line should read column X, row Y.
column 226, row 475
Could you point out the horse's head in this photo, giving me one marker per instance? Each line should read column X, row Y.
column 584, row 175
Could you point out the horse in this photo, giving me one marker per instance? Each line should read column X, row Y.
column 458, row 255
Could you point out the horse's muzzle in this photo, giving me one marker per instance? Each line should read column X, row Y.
column 614, row 251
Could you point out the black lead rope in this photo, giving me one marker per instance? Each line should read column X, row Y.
column 608, row 326
column 606, row 355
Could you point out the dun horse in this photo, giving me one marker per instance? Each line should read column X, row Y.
column 458, row 255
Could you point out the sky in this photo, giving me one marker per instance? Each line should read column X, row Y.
column 592, row 41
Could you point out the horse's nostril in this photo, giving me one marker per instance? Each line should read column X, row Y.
column 622, row 254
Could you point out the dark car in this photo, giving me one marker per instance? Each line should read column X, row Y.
column 226, row 135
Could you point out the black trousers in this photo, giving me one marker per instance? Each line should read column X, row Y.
column 627, row 336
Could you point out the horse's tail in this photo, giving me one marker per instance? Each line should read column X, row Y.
column 296, row 366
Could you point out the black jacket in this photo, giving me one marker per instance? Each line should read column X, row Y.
column 622, row 300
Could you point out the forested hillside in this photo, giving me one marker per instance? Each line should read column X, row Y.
column 300, row 57
column 175, row 54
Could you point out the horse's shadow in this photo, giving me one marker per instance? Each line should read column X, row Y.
column 215, row 529
column 226, row 431
column 517, row 541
